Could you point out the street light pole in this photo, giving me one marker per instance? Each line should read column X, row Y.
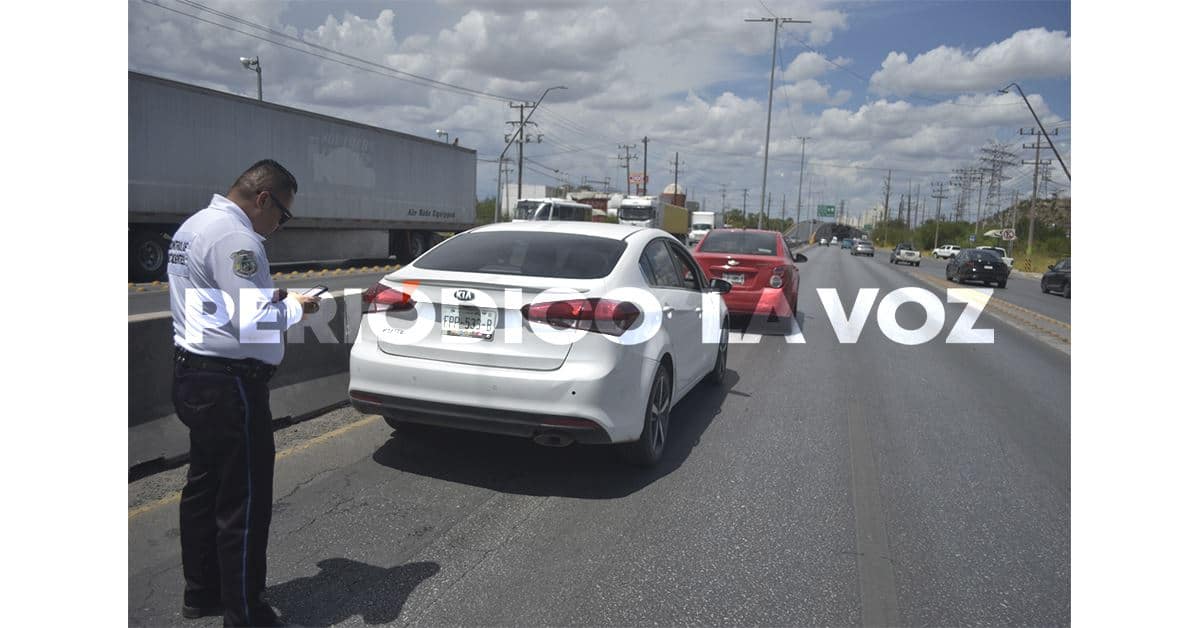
column 251, row 63
column 1039, row 123
column 520, row 131
column 771, row 96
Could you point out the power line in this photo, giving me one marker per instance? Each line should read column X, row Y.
column 414, row 78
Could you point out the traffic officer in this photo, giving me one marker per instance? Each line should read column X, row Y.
column 229, row 325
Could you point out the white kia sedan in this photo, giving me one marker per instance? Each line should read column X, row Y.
column 560, row 332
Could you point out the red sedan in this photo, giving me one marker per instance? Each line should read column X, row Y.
column 759, row 266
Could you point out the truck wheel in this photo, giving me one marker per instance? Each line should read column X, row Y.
column 1067, row 290
column 148, row 255
column 415, row 244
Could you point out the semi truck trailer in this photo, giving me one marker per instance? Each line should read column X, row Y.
column 365, row 192
column 651, row 211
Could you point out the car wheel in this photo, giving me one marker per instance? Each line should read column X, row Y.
column 716, row 377
column 1002, row 284
column 949, row 275
column 1067, row 290
column 918, row 264
column 647, row 450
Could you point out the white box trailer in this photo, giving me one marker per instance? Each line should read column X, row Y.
column 365, row 192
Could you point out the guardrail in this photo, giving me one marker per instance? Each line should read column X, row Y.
column 313, row 377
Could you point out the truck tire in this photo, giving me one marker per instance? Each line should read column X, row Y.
column 407, row 245
column 148, row 255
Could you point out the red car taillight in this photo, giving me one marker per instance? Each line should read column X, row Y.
column 599, row 315
column 380, row 298
column 776, row 280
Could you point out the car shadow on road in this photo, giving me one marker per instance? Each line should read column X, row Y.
column 518, row 466
column 345, row 588
column 767, row 325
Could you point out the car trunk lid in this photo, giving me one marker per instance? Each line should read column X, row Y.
column 473, row 316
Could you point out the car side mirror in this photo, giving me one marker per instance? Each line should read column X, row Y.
column 720, row 286
column 799, row 257
column 1050, row 267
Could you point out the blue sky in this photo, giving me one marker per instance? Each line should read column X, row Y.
column 690, row 75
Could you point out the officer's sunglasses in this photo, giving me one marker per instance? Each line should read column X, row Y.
column 284, row 214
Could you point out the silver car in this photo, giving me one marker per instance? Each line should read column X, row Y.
column 863, row 247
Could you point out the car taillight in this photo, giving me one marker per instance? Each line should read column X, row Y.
column 776, row 280
column 380, row 298
column 599, row 315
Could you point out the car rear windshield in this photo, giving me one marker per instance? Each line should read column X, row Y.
column 740, row 242
column 981, row 255
column 529, row 253
column 904, row 246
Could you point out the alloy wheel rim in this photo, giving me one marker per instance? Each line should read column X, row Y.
column 660, row 411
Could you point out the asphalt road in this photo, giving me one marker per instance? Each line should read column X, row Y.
column 825, row 484
column 1020, row 291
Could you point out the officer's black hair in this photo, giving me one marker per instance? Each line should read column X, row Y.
column 269, row 175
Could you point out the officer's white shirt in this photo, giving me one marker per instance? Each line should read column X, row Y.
column 221, row 288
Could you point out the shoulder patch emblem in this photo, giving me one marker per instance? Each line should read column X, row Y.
column 244, row 263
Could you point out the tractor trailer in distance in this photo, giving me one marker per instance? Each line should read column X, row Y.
column 365, row 192
column 651, row 211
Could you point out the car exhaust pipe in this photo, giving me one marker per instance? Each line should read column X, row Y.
column 553, row 439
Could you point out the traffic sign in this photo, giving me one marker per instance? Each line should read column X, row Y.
column 826, row 211
column 637, row 177
column 1008, row 235
column 971, row 238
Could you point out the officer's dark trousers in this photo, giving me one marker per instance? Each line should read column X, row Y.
column 225, row 511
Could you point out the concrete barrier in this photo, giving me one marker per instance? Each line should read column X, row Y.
column 313, row 376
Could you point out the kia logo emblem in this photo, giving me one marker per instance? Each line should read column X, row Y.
column 733, row 262
column 464, row 295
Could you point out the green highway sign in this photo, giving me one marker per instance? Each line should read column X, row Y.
column 826, row 211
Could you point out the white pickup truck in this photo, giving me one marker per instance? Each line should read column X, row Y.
column 907, row 253
column 946, row 251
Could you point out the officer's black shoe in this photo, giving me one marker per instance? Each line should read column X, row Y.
column 196, row 612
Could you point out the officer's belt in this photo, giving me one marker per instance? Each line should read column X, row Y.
column 248, row 368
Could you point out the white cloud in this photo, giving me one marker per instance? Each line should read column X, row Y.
column 808, row 65
column 690, row 76
column 1028, row 54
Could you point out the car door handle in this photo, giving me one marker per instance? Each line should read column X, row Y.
column 668, row 309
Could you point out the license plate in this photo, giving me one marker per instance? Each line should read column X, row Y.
column 987, row 267
column 734, row 278
column 468, row 321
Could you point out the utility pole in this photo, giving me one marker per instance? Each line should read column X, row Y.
column 723, row 186
column 745, row 191
column 1037, row 162
column 887, row 196
column 800, row 190
column 626, row 159
column 520, row 142
column 918, row 221
column 676, row 172
column 645, row 166
column 506, row 169
column 939, row 195
column 771, row 92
